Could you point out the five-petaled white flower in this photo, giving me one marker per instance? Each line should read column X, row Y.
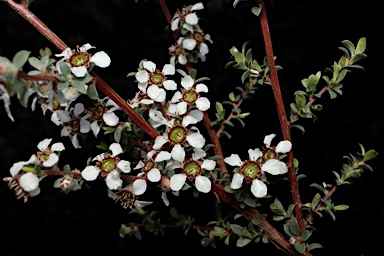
column 187, row 15
column 193, row 169
column 259, row 163
column 109, row 165
column 189, row 96
column 80, row 60
column 128, row 196
column 154, row 78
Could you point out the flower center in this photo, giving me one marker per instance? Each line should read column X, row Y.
column 148, row 166
column 199, row 37
column 55, row 104
column 79, row 59
column 269, row 154
column 126, row 198
column 250, row 169
column 192, row 168
column 190, row 96
column 157, row 78
column 43, row 155
column 74, row 124
column 108, row 165
column 178, row 50
column 97, row 112
column 177, row 134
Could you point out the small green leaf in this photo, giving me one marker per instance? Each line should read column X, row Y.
column 20, row 59
column 300, row 247
column 341, row 207
column 92, row 92
column 256, row 10
column 315, row 201
column 370, row 155
column 242, row 241
column 361, row 45
column 237, row 229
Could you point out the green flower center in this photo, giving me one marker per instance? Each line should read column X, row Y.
column 43, row 155
column 198, row 37
column 108, row 165
column 192, row 168
column 178, row 50
column 190, row 96
column 148, row 166
column 157, row 78
column 55, row 104
column 250, row 169
column 269, row 154
column 79, row 59
column 177, row 134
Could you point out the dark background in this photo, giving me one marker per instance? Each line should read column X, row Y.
column 306, row 36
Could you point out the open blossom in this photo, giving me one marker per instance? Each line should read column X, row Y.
column 258, row 164
column 73, row 122
column 149, row 166
column 109, row 166
column 129, row 195
column 193, row 169
column 151, row 79
column 189, row 96
column 80, row 60
column 186, row 16
column 104, row 112
column 177, row 52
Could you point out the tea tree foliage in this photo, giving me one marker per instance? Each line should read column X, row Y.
column 162, row 145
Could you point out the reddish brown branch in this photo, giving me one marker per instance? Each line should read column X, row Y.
column 281, row 112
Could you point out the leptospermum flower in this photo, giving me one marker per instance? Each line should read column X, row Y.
column 80, row 59
column 128, row 196
column 74, row 122
column 149, row 166
column 109, row 166
column 101, row 113
column 154, row 78
column 46, row 156
column 177, row 135
column 189, row 96
column 197, row 39
column 193, row 169
column 186, row 16
column 253, row 169
column 177, row 52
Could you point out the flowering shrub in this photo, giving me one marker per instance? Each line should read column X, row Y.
column 162, row 143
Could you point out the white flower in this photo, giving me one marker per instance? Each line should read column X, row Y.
column 193, row 170
column 282, row 147
column 47, row 155
column 107, row 115
column 153, row 79
column 253, row 169
column 187, row 15
column 80, row 60
column 29, row 182
column 108, row 163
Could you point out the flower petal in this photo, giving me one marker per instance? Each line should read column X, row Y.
column 196, row 140
column 149, row 65
column 116, row 149
column 268, row 139
column 90, row 173
column 189, row 44
column 283, row 146
column 191, row 18
column 237, row 181
column 139, row 187
column 168, row 69
column 201, row 88
column 274, row 167
column 163, row 155
column 208, row 164
column 174, row 25
column 258, row 188
column 44, row 144
column 170, row 85
column 203, row 184
column 159, row 142
column 233, row 160
column 110, row 118
column 187, row 82
column 254, row 154
column 177, row 181
column 101, row 59
column 113, row 180
column 178, row 153
column 52, row 159
column 142, row 76
column 29, row 181
column 203, row 103
column 124, row 166
column 57, row 147
column 154, row 175
column 79, row 71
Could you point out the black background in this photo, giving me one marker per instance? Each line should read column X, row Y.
column 306, row 36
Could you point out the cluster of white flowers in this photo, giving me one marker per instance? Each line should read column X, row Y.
column 192, row 42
